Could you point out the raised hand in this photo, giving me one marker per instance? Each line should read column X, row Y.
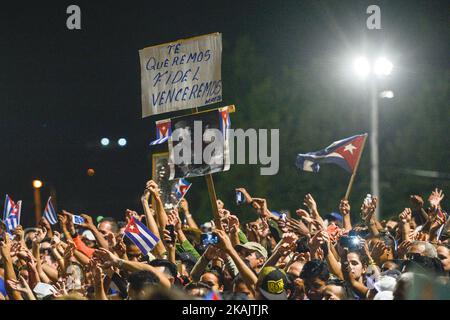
column 22, row 286
column 403, row 249
column 378, row 249
column 344, row 207
column 310, row 203
column 153, row 187
column 106, row 257
column 145, row 196
column 224, row 241
column 368, row 209
column 296, row 226
column 88, row 222
column 247, row 196
column 405, row 216
column 435, row 198
column 184, row 205
column 416, row 201
column 131, row 214
column 233, row 224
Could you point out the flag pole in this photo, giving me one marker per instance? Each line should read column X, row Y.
column 352, row 178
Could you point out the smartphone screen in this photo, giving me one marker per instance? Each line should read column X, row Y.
column 77, row 219
column 240, row 199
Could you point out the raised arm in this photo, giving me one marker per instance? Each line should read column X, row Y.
column 246, row 273
column 161, row 216
column 151, row 223
column 5, row 251
column 344, row 209
column 110, row 258
column 184, row 205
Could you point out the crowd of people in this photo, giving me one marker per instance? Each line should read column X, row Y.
column 309, row 256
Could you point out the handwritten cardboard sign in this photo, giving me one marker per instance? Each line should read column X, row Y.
column 182, row 74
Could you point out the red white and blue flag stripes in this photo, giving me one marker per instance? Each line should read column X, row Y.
column 345, row 153
column 225, row 121
column 141, row 236
column 181, row 188
column 11, row 213
column 50, row 213
column 163, row 132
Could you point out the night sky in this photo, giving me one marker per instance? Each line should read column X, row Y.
column 62, row 90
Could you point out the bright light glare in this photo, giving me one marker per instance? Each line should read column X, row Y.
column 361, row 67
column 37, row 184
column 104, row 141
column 388, row 94
column 383, row 67
column 122, row 142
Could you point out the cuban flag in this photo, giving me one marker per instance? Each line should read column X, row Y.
column 11, row 213
column 181, row 188
column 345, row 153
column 50, row 213
column 225, row 121
column 141, row 236
column 163, row 131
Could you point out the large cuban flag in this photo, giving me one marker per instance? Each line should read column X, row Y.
column 11, row 213
column 345, row 153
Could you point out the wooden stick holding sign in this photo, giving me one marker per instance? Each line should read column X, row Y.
column 352, row 178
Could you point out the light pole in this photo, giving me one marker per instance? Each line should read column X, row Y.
column 37, row 185
column 363, row 68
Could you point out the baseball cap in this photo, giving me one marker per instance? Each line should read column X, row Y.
column 272, row 283
column 253, row 246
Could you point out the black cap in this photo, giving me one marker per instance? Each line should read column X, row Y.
column 272, row 283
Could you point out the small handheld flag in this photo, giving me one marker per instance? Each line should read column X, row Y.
column 163, row 132
column 142, row 237
column 225, row 121
column 50, row 213
column 11, row 213
column 181, row 188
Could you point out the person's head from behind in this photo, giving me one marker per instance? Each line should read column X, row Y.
column 240, row 287
column 315, row 274
column 390, row 265
column 108, row 225
column 165, row 266
column 214, row 279
column 140, row 284
column 197, row 289
column 335, row 290
column 421, row 248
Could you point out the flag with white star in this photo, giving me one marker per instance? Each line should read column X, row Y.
column 345, row 153
column 163, row 131
column 142, row 237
